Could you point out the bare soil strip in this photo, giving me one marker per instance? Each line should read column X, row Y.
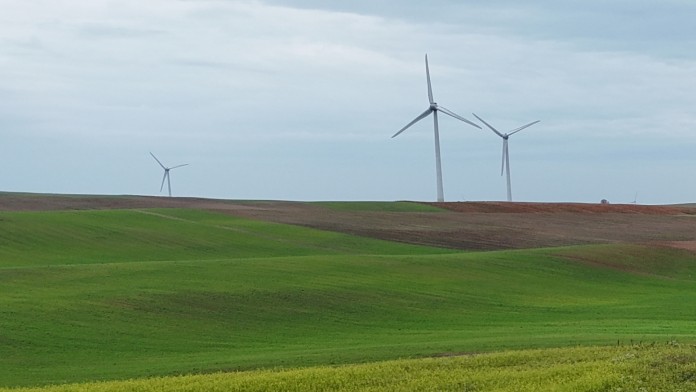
column 581, row 208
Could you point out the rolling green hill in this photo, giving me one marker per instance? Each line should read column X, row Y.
column 100, row 295
column 86, row 237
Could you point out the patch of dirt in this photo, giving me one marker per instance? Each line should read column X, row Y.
column 490, row 227
column 686, row 245
column 581, row 208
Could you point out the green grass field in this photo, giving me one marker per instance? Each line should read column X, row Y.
column 109, row 295
column 87, row 237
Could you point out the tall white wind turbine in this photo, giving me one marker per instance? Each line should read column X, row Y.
column 506, row 155
column 434, row 108
column 166, row 174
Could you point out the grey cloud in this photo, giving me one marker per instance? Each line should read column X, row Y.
column 100, row 30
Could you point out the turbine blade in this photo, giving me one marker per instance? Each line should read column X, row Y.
column 163, row 178
column 455, row 115
column 514, row 131
column 174, row 167
column 158, row 161
column 430, row 87
column 422, row 116
column 488, row 125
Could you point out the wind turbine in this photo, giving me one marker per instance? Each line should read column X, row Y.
column 166, row 174
column 434, row 108
column 506, row 154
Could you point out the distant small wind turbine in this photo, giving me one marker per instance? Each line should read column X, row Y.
column 434, row 108
column 506, row 154
column 166, row 174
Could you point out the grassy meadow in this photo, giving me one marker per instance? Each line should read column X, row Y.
column 120, row 294
column 108, row 236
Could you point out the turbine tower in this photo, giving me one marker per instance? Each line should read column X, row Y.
column 166, row 174
column 434, row 108
column 506, row 155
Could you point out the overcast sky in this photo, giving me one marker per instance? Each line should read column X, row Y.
column 298, row 100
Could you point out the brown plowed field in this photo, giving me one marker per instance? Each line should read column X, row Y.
column 580, row 208
column 467, row 225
